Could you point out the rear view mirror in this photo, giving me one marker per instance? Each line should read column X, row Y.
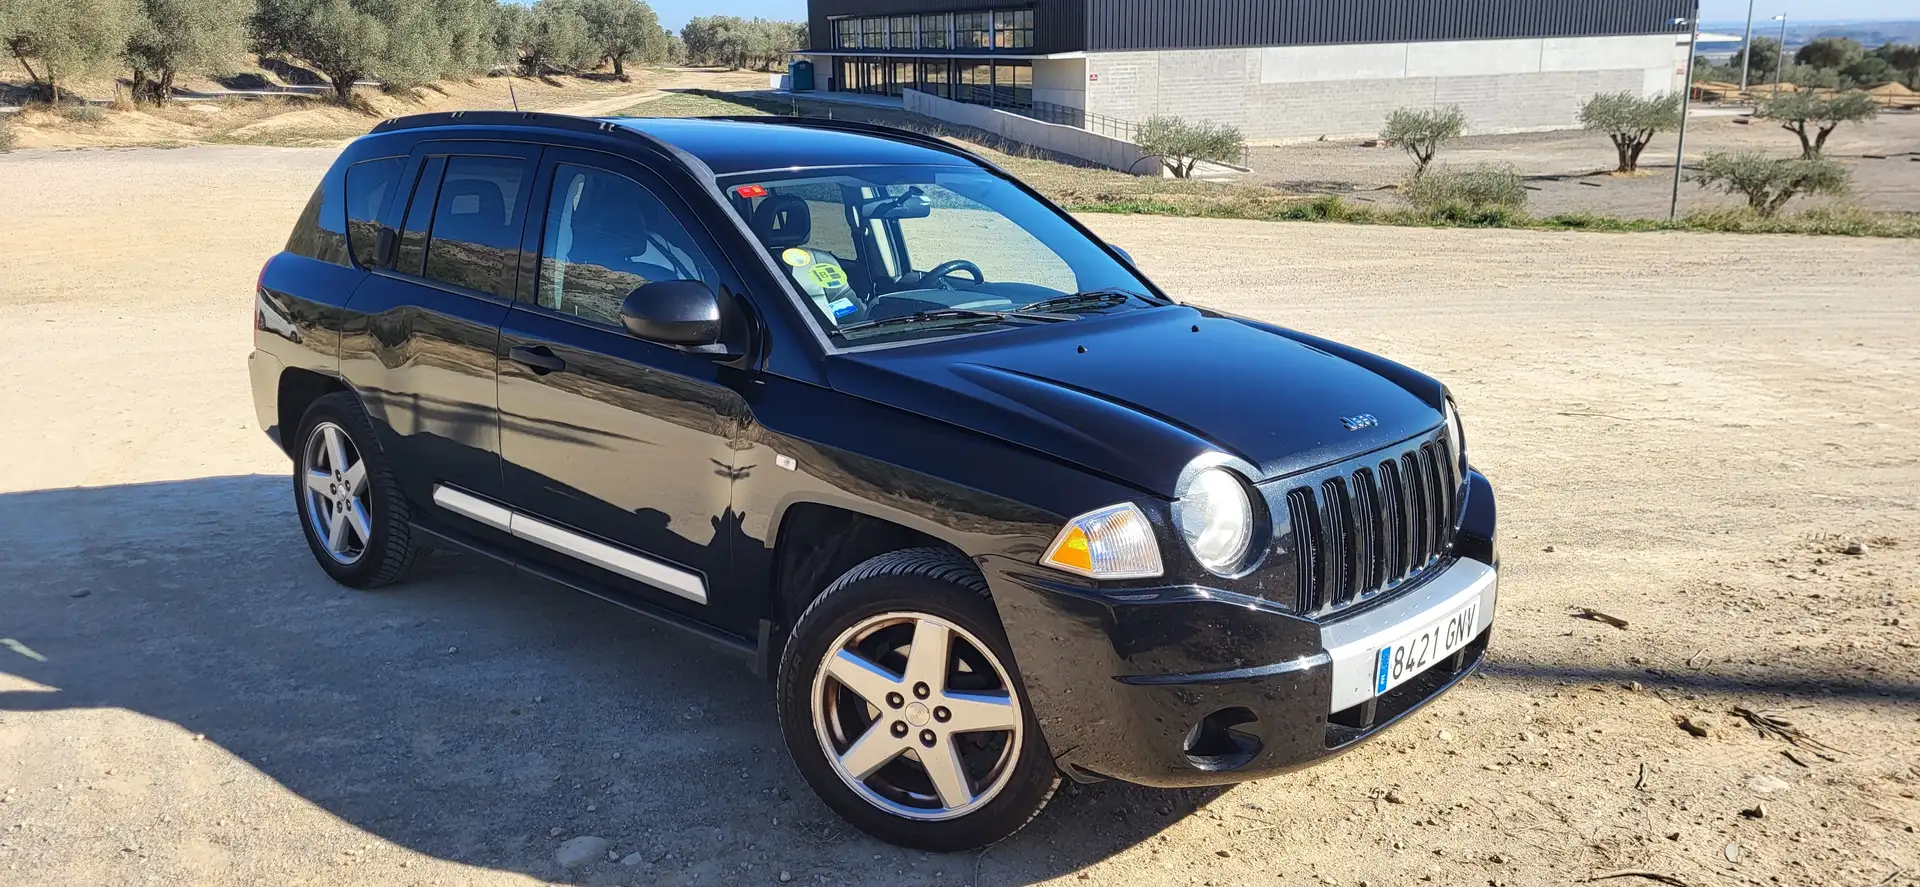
column 911, row 205
column 1123, row 253
column 673, row 312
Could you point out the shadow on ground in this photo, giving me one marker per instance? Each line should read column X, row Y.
column 463, row 714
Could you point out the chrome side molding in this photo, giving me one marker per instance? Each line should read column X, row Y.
column 606, row 556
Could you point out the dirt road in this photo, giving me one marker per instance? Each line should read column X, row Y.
column 1686, row 432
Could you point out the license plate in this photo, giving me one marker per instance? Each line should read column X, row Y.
column 1416, row 652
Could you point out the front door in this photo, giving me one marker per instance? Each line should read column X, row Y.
column 619, row 449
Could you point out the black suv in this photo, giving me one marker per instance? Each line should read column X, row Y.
column 983, row 502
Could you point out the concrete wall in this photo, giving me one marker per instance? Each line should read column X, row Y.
column 1060, row 81
column 1293, row 92
column 1069, row 140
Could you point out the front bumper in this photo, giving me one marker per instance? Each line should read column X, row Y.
column 1196, row 686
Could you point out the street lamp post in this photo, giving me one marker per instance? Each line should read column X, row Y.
column 1780, row 64
column 1686, row 103
column 1746, row 50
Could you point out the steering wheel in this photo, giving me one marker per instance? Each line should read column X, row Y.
column 939, row 274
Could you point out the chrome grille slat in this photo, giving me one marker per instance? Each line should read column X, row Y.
column 1360, row 529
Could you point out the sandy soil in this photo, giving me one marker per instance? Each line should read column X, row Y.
column 1682, row 441
column 1571, row 170
column 315, row 121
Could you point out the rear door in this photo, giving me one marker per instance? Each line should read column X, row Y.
column 422, row 356
column 622, row 448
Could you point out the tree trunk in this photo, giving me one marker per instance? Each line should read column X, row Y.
column 139, row 90
column 163, row 89
column 1633, row 162
column 619, row 70
column 1625, row 150
column 1806, row 145
column 342, row 84
column 1820, row 144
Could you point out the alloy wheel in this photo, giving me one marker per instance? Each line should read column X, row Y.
column 917, row 716
column 338, row 505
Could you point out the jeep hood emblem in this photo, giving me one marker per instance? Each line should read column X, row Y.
column 1355, row 423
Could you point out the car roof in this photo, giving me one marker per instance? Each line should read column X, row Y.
column 732, row 145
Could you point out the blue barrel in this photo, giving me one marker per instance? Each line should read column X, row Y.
column 800, row 76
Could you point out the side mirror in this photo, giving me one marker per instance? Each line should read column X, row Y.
column 673, row 312
column 1123, row 253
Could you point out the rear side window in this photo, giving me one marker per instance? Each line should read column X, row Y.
column 370, row 184
column 475, row 239
column 320, row 233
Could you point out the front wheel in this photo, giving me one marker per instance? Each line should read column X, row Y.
column 901, row 707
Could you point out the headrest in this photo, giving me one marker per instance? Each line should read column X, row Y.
column 782, row 221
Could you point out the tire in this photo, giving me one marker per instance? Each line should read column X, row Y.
column 379, row 546
column 1005, row 775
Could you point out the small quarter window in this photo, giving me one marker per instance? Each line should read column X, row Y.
column 370, row 184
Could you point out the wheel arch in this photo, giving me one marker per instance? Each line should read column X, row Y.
column 296, row 391
column 815, row 542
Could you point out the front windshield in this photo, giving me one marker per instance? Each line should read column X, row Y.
column 892, row 253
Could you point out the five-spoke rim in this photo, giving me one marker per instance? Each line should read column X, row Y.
column 917, row 716
column 338, row 507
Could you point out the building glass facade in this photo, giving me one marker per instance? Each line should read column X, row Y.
column 987, row 81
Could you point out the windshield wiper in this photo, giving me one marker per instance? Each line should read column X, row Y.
column 1106, row 297
column 948, row 314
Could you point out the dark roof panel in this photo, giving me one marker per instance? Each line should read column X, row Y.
column 728, row 146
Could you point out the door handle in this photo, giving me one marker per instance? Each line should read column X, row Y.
column 538, row 358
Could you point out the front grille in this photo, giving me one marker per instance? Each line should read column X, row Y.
column 1372, row 524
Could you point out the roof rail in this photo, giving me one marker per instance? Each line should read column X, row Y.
column 873, row 129
column 538, row 120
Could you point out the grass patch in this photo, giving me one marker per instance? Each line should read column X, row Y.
column 694, row 104
column 1845, row 222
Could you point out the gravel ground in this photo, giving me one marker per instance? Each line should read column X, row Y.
column 1683, row 439
column 1571, row 171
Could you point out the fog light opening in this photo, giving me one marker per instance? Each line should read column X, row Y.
column 1217, row 743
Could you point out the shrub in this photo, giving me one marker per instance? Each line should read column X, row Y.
column 1769, row 182
column 1324, row 208
column 1766, row 58
column 1630, row 120
column 1829, row 52
column 1464, row 195
column 1797, row 111
column 1421, row 133
column 80, row 112
column 1182, row 145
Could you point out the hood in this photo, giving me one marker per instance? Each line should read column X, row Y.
column 1136, row 396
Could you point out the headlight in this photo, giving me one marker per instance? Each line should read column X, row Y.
column 1456, row 441
column 1216, row 518
column 1115, row 542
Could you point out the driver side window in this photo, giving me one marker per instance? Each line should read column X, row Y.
column 606, row 236
column 964, row 230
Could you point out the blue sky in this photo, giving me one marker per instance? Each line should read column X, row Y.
column 1809, row 10
column 674, row 13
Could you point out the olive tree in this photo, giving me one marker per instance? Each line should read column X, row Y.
column 58, row 39
column 1421, row 132
column 342, row 40
column 623, row 29
column 1766, row 58
column 1630, row 120
column 554, row 36
column 171, row 36
column 1814, row 117
column 1830, row 52
column 1181, row 145
column 1769, row 182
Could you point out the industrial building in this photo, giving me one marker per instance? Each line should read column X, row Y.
column 1277, row 69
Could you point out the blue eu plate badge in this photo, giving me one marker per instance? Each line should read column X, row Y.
column 1383, row 670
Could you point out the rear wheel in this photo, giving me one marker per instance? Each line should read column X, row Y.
column 351, row 510
column 901, row 706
